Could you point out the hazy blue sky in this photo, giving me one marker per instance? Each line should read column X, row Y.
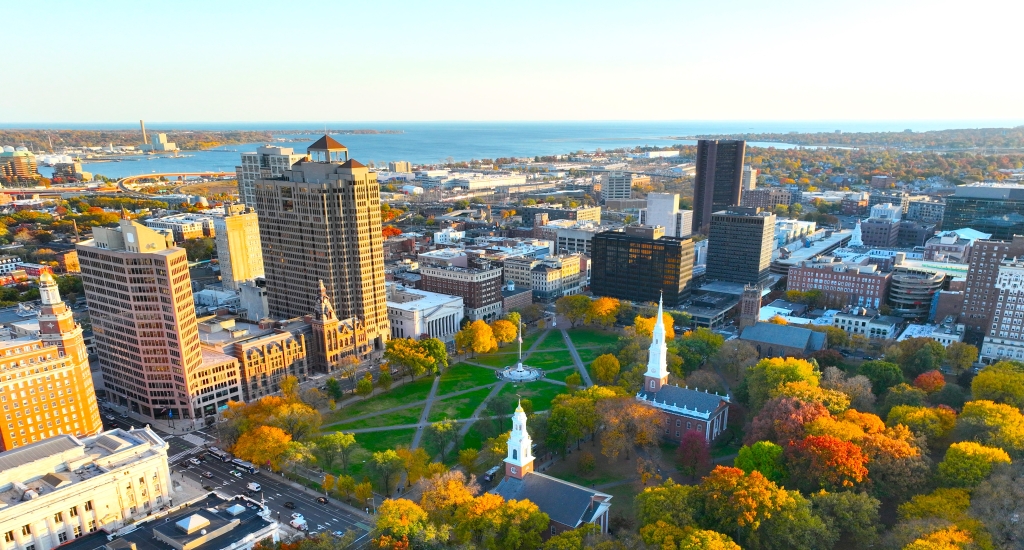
column 181, row 60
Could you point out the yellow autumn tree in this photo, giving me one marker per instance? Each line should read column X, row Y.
column 263, row 445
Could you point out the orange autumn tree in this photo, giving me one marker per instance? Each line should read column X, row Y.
column 735, row 502
column 390, row 231
column 931, row 381
column 262, row 445
column 644, row 326
column 628, row 424
column 826, row 462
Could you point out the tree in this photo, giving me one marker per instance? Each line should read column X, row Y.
column 693, row 454
column 504, row 331
column 670, row 537
column 782, row 420
column 333, row 447
column 1002, row 382
column 628, row 424
column 644, row 326
column 574, row 381
column 931, row 381
column 384, row 378
column 438, row 351
column 290, row 387
column 669, row 502
column 994, row 424
column 444, row 493
column 857, row 388
column 999, row 503
column 414, row 462
column 493, row 523
column 363, row 491
column 902, row 394
column 334, row 388
column 581, row 538
column 704, row 380
column 443, row 433
column 833, row 400
column 345, row 486
column 703, row 343
column 733, row 358
column 731, row 501
column 897, row 466
column 386, row 466
column 854, row 515
column 960, row 356
column 824, row 461
column 605, row 368
column 778, row 320
column 603, row 311
column 263, row 445
column 399, row 517
column 364, row 387
column 389, row 231
column 883, row 375
column 835, row 337
column 328, row 483
column 764, row 457
column 950, row 538
column 768, row 374
column 410, row 356
column 916, row 355
column 298, row 419
column 967, row 463
column 575, row 308
column 468, row 459
column 933, row 423
column 476, row 337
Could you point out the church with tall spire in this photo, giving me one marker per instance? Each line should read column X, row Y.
column 683, row 408
column 567, row 505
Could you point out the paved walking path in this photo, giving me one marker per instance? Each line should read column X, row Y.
column 463, row 421
column 587, row 382
column 409, row 405
column 425, row 414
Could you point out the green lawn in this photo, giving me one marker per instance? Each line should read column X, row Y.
column 473, row 439
column 587, row 355
column 459, row 407
column 586, row 337
column 529, row 339
column 550, row 359
column 540, row 393
column 560, row 375
column 387, row 439
column 464, row 376
column 554, row 341
column 405, row 394
column 497, row 360
column 397, row 418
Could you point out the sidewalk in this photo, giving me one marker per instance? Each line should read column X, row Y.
column 331, row 500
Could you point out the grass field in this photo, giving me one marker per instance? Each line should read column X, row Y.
column 462, row 377
column 397, row 418
column 459, row 407
column 529, row 339
column 589, row 354
column 540, row 393
column 586, row 337
column 473, row 439
column 560, row 375
column 497, row 360
column 554, row 341
column 402, row 395
column 550, row 359
column 373, row 442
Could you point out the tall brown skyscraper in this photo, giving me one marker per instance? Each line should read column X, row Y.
column 321, row 221
column 144, row 323
column 719, row 181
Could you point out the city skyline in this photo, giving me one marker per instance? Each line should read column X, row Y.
column 804, row 61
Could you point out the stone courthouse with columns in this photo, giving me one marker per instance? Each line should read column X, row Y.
column 682, row 409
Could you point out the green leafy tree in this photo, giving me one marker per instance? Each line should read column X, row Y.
column 364, row 387
column 605, row 368
column 576, row 308
column 668, row 502
column 436, row 350
column 764, row 457
column 334, row 388
column 386, row 466
column 882, row 374
column 902, row 394
column 334, row 447
column 1002, row 382
column 853, row 515
column 968, row 463
column 443, row 434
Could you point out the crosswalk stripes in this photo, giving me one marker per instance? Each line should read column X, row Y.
column 194, row 439
column 183, row 454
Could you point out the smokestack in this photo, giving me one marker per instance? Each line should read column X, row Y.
column 145, row 140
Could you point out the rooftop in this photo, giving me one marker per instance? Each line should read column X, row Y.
column 784, row 335
column 690, row 402
column 564, row 502
column 412, row 299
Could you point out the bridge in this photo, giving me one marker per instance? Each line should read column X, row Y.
column 122, row 184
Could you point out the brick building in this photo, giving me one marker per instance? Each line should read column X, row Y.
column 479, row 288
column 842, row 284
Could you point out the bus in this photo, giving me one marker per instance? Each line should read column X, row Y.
column 223, row 456
column 246, row 466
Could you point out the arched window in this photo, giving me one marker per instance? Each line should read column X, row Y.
column 515, row 454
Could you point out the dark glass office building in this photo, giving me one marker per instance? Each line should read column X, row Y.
column 639, row 264
column 719, row 180
column 740, row 246
column 990, row 208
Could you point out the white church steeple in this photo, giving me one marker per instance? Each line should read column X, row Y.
column 657, row 358
column 855, row 239
column 519, row 461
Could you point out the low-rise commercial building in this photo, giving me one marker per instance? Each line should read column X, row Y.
column 184, row 226
column 619, row 185
column 842, row 283
column 479, row 288
column 579, row 214
column 63, row 488
column 945, row 334
column 926, row 209
column 859, row 321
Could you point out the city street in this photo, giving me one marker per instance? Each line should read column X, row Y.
column 275, row 492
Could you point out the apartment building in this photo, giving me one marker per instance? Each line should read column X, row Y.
column 479, row 288
column 1005, row 337
column 843, row 284
column 740, row 246
column 267, row 162
column 980, row 293
column 239, row 250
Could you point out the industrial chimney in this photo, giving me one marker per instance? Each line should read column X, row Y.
column 145, row 140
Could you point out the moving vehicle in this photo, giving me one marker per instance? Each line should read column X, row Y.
column 194, row 461
column 208, row 475
column 299, row 523
column 225, row 457
column 489, row 474
column 291, row 506
column 236, row 473
column 253, row 486
column 321, row 500
column 246, row 466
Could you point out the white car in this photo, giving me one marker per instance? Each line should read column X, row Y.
column 236, row 473
column 296, row 515
column 194, row 461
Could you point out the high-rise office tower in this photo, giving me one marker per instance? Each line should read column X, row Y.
column 981, row 295
column 995, row 208
column 719, row 181
column 641, row 264
column 320, row 221
column 663, row 209
column 749, row 178
column 266, row 162
column 53, row 369
column 740, row 246
column 144, row 324
column 619, row 185
column 237, row 234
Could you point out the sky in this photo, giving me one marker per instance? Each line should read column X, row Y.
column 380, row 60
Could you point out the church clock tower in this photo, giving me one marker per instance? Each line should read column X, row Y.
column 657, row 359
column 519, row 461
